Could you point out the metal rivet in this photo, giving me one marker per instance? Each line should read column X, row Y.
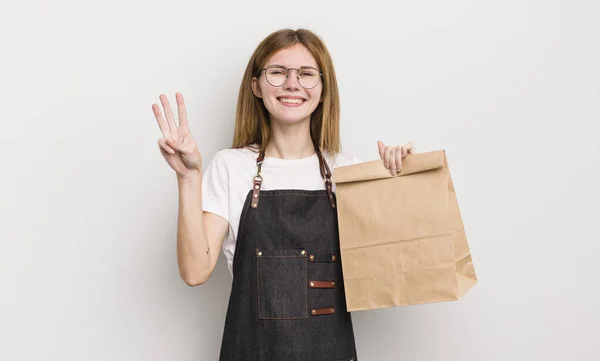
column 312, row 257
column 303, row 252
column 331, row 309
column 312, row 284
column 313, row 311
column 260, row 253
column 332, row 283
column 333, row 257
column 256, row 196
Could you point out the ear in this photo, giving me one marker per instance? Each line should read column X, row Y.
column 256, row 88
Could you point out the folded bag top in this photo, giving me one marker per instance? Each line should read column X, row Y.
column 412, row 163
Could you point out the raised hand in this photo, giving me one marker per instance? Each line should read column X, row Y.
column 177, row 145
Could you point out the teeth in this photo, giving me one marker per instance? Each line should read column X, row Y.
column 285, row 100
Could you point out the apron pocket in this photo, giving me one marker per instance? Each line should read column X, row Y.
column 282, row 285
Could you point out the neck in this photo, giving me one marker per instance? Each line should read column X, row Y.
column 290, row 141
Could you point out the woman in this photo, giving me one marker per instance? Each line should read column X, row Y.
column 269, row 203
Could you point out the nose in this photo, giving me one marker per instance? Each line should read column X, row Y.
column 291, row 83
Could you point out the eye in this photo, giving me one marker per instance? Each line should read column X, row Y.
column 308, row 73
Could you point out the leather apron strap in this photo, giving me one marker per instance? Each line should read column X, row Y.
column 323, row 167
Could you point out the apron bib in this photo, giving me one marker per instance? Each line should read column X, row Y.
column 287, row 299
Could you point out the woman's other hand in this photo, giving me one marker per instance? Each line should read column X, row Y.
column 392, row 155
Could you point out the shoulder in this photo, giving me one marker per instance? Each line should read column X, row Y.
column 229, row 171
column 235, row 157
column 341, row 159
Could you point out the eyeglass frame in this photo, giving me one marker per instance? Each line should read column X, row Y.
column 287, row 70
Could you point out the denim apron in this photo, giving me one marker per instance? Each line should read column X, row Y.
column 287, row 300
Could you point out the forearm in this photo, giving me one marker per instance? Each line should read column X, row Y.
column 193, row 254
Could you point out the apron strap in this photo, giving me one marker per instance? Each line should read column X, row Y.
column 257, row 180
column 323, row 167
column 326, row 173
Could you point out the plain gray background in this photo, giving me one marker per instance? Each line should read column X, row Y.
column 88, row 207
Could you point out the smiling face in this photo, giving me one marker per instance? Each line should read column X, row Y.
column 290, row 102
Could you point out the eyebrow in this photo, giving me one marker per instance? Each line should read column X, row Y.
column 285, row 67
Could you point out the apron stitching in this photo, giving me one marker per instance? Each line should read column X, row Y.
column 294, row 194
column 257, row 286
column 306, row 286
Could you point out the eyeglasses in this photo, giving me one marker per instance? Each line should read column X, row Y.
column 308, row 77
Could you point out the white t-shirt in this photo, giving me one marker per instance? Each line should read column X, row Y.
column 230, row 174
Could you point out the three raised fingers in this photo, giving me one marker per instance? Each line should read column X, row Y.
column 166, row 120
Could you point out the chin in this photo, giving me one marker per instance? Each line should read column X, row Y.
column 290, row 116
column 290, row 119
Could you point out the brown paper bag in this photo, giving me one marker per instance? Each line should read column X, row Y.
column 402, row 238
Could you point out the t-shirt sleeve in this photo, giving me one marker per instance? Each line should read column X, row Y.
column 356, row 160
column 345, row 159
column 215, row 187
